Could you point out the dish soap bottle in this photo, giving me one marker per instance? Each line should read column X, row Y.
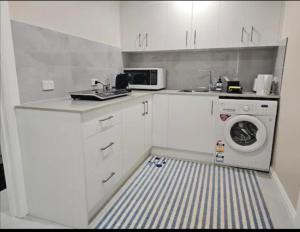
column 219, row 85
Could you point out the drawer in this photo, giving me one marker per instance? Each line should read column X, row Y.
column 101, row 124
column 103, row 166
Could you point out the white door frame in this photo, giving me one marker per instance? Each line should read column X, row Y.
column 9, row 98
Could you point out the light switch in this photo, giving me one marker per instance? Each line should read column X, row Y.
column 47, row 85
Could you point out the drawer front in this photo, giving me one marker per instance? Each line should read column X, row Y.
column 101, row 124
column 103, row 166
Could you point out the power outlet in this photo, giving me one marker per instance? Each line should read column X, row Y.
column 47, row 85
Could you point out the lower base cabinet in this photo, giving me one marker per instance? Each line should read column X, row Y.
column 184, row 122
column 74, row 162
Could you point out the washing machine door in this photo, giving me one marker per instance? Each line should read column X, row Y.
column 245, row 133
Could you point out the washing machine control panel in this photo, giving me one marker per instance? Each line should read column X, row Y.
column 255, row 107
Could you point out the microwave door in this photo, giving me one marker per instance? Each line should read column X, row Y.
column 140, row 78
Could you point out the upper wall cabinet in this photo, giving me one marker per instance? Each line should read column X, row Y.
column 143, row 25
column 246, row 23
column 173, row 25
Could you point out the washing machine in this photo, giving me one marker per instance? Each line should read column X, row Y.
column 244, row 133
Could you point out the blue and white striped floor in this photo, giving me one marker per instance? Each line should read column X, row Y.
column 169, row 193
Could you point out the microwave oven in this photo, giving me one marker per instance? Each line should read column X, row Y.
column 146, row 78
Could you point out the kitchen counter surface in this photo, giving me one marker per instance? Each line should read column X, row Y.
column 77, row 106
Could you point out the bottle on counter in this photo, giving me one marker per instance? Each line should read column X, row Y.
column 219, row 85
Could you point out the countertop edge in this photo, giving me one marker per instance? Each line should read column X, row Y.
column 38, row 105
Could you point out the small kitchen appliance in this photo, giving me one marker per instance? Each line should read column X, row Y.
column 146, row 78
column 234, row 87
column 262, row 84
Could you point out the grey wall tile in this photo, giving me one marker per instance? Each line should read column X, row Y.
column 185, row 68
column 70, row 61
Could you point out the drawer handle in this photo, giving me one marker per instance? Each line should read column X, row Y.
column 105, row 119
column 109, row 145
column 111, row 175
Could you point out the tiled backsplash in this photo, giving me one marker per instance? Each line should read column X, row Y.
column 43, row 54
column 185, row 69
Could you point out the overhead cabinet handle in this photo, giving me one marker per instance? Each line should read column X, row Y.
column 111, row 175
column 146, row 39
column 195, row 37
column 186, row 38
column 108, row 146
column 140, row 40
column 242, row 38
column 105, row 119
column 212, row 107
column 251, row 38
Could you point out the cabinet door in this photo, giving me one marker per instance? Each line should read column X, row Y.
column 232, row 19
column 148, row 125
column 179, row 34
column 132, row 25
column 160, row 120
column 263, row 22
column 154, row 25
column 205, row 24
column 133, row 135
column 191, row 123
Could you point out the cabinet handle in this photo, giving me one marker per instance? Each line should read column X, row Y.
column 109, row 145
column 144, row 113
column 140, row 40
column 146, row 39
column 147, row 108
column 186, row 38
column 251, row 38
column 102, row 120
column 242, row 38
column 195, row 37
column 212, row 107
column 111, row 175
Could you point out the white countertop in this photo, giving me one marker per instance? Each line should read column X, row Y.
column 78, row 106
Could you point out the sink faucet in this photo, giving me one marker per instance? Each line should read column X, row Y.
column 105, row 87
column 211, row 84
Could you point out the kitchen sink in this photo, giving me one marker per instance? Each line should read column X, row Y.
column 201, row 89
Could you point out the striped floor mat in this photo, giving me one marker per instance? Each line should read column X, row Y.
column 169, row 193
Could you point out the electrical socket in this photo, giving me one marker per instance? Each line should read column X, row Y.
column 47, row 85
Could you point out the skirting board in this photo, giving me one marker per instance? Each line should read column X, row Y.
column 183, row 155
column 284, row 195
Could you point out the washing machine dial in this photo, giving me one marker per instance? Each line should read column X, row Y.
column 246, row 108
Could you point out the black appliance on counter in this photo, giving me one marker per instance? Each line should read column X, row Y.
column 234, row 87
column 122, row 81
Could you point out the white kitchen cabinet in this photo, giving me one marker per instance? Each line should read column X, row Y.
column 205, row 24
column 232, row 24
column 175, row 25
column 249, row 23
column 179, row 29
column 190, row 125
column 74, row 161
column 160, row 120
column 143, row 25
column 132, row 26
column 133, row 135
column 137, row 123
column 263, row 22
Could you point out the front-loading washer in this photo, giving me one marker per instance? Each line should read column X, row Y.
column 244, row 133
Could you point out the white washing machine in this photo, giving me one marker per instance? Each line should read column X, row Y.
column 244, row 133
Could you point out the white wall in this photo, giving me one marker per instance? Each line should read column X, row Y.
column 94, row 20
column 287, row 153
